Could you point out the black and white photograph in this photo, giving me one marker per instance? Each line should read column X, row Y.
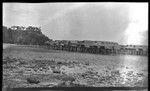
column 78, row 44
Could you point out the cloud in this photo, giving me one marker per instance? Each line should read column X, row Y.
column 76, row 21
column 64, row 11
column 94, row 22
column 138, row 24
column 59, row 24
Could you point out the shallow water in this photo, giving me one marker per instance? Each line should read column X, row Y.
column 124, row 63
column 136, row 63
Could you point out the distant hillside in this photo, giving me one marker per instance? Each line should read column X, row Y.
column 24, row 35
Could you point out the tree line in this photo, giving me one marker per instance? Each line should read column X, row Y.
column 24, row 35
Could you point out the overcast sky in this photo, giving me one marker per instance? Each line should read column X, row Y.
column 125, row 23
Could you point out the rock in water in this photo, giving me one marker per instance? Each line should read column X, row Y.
column 68, row 78
column 56, row 71
column 33, row 80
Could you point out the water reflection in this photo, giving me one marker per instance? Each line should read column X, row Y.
column 133, row 68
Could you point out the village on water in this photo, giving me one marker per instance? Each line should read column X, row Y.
column 97, row 47
column 75, row 45
column 89, row 46
column 29, row 57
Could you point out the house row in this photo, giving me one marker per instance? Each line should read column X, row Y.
column 97, row 47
